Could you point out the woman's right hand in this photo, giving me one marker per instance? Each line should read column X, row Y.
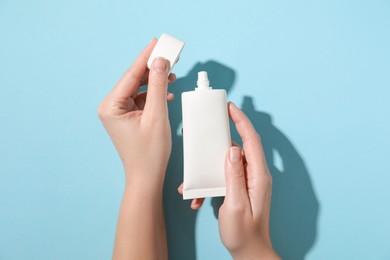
column 244, row 215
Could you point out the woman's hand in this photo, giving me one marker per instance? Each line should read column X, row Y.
column 244, row 215
column 138, row 122
column 139, row 128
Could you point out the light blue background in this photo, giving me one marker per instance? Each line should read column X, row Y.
column 320, row 69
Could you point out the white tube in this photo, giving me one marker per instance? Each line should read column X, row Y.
column 206, row 139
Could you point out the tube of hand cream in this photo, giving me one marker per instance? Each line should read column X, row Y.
column 206, row 139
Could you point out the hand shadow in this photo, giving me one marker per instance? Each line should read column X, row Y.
column 294, row 206
column 179, row 217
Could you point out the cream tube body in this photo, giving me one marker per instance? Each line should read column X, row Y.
column 206, row 139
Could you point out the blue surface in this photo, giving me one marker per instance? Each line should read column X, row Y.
column 314, row 76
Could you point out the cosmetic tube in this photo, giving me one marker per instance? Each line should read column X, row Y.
column 206, row 140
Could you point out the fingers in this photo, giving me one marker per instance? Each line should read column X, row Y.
column 131, row 80
column 156, row 103
column 196, row 203
column 236, row 189
column 170, row 97
column 253, row 149
column 145, row 79
column 259, row 181
column 180, row 189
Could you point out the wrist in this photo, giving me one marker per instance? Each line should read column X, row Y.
column 146, row 196
column 144, row 181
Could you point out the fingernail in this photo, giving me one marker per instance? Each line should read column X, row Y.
column 160, row 65
column 235, row 154
column 152, row 40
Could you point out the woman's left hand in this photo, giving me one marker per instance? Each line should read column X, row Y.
column 138, row 123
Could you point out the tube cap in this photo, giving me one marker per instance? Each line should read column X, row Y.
column 167, row 47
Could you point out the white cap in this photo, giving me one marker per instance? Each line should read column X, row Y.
column 203, row 81
column 167, row 47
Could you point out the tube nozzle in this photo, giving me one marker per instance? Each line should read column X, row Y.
column 203, row 81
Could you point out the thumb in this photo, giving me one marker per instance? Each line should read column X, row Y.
column 156, row 98
column 236, row 190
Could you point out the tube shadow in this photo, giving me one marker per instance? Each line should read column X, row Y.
column 294, row 206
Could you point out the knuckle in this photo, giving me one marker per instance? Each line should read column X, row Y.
column 266, row 180
column 235, row 169
column 238, row 172
column 102, row 111
column 132, row 76
column 238, row 208
column 252, row 137
column 158, row 84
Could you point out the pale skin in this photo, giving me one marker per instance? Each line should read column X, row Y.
column 138, row 126
column 243, row 218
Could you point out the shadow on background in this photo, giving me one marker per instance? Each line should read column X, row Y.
column 294, row 207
